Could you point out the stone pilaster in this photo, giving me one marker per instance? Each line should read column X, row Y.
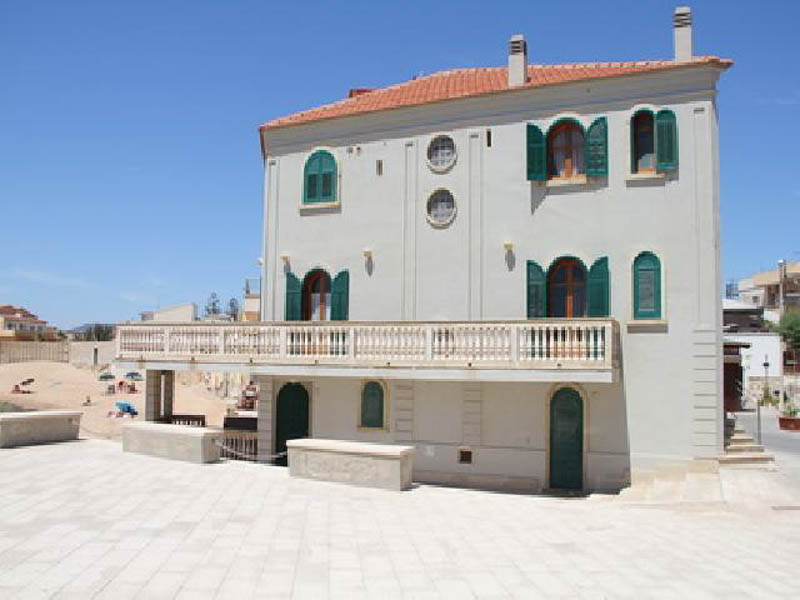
column 168, row 393
column 264, row 427
column 152, row 396
column 403, row 411
column 471, row 414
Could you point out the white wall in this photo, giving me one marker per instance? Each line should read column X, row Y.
column 761, row 345
column 176, row 314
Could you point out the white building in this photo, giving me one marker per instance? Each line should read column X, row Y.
column 521, row 265
column 177, row 313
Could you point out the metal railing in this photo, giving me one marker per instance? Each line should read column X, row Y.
column 547, row 343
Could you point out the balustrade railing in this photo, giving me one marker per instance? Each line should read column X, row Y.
column 561, row 343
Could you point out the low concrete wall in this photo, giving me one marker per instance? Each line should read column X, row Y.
column 357, row 463
column 12, row 351
column 178, row 442
column 38, row 427
column 82, row 354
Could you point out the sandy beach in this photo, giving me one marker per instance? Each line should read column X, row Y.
column 64, row 386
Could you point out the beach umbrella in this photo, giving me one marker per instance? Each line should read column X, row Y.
column 133, row 376
column 106, row 376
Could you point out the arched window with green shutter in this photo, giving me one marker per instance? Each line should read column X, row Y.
column 536, row 291
column 666, row 141
column 598, row 288
column 537, row 154
column 319, row 178
column 646, row 286
column 372, row 405
column 596, row 148
column 294, row 298
column 340, row 297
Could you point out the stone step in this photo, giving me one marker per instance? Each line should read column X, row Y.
column 745, row 438
column 741, row 447
column 746, row 458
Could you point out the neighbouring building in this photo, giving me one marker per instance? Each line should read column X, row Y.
column 514, row 269
column 251, row 307
column 775, row 291
column 19, row 323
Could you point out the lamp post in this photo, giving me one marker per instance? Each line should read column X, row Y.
column 764, row 395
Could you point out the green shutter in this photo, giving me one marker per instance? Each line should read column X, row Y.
column 340, row 292
column 537, row 154
column 294, row 298
column 596, row 148
column 372, row 405
column 646, row 286
column 598, row 288
column 666, row 141
column 319, row 178
column 537, row 291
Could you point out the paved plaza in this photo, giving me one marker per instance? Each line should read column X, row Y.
column 84, row 520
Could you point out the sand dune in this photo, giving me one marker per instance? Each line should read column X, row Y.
column 63, row 386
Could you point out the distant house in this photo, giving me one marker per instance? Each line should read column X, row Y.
column 19, row 323
column 774, row 291
column 179, row 313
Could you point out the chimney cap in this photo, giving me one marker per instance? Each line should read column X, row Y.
column 682, row 16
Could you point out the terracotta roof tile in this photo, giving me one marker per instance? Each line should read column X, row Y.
column 462, row 83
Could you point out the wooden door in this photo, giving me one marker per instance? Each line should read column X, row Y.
column 566, row 440
column 291, row 420
column 567, row 289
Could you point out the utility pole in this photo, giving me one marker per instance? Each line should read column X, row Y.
column 781, row 310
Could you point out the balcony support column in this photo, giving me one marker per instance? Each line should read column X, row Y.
column 152, row 396
column 264, row 417
column 168, row 394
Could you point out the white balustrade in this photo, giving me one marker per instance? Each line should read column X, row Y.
column 572, row 343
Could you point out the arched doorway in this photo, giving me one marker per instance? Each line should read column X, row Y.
column 317, row 296
column 566, row 289
column 566, row 440
column 291, row 419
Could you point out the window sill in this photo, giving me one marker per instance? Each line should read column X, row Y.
column 645, row 178
column 372, row 429
column 317, row 207
column 648, row 326
column 573, row 181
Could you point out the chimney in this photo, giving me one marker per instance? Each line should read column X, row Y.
column 682, row 22
column 517, row 61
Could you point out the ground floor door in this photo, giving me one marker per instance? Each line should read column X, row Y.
column 291, row 419
column 566, row 440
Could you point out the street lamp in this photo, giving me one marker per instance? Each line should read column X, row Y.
column 764, row 395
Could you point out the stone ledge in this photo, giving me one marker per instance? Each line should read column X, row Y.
column 38, row 427
column 177, row 442
column 381, row 466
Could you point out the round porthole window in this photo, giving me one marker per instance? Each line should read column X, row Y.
column 441, row 153
column 441, row 208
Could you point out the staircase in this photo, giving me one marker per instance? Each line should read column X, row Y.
column 742, row 451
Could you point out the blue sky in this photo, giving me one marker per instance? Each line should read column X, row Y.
column 130, row 173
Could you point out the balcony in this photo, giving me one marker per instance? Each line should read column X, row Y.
column 540, row 350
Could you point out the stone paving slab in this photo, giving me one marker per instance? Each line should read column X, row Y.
column 84, row 520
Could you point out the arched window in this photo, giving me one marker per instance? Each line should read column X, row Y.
column 643, row 143
column 372, row 409
column 646, row 286
column 317, row 296
column 319, row 178
column 566, row 283
column 565, row 151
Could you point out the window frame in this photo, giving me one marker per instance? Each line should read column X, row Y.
column 441, row 168
column 634, row 166
column 450, row 219
column 323, row 156
column 552, row 131
column 385, row 407
column 657, row 313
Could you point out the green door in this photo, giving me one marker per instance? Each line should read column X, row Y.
column 566, row 440
column 292, row 417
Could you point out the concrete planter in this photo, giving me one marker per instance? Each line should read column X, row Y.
column 789, row 423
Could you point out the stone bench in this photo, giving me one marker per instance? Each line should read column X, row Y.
column 357, row 463
column 178, row 442
column 38, row 427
